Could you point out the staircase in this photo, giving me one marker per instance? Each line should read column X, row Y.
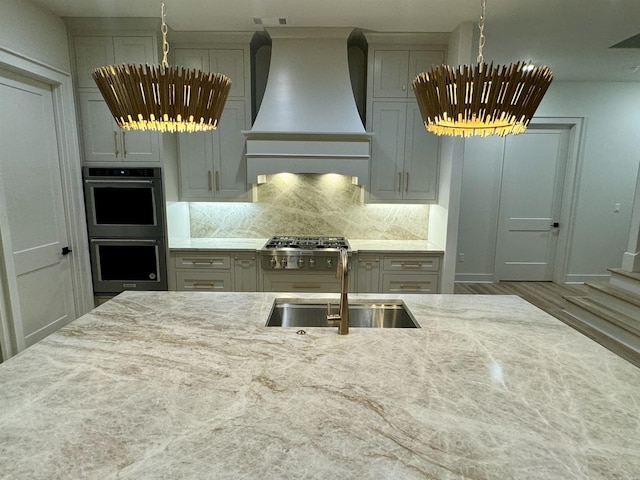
column 610, row 313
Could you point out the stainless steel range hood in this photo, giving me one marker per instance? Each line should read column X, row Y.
column 308, row 121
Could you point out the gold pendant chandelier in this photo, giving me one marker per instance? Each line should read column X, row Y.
column 480, row 100
column 163, row 98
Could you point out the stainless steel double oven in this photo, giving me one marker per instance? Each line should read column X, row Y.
column 125, row 221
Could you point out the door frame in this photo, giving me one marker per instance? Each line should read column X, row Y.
column 569, row 193
column 12, row 338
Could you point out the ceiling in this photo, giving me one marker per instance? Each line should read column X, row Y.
column 572, row 37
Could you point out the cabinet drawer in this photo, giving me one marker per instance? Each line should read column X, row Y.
column 219, row 262
column 399, row 283
column 291, row 282
column 203, row 281
column 412, row 264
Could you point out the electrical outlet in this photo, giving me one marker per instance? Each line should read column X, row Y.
column 616, row 208
column 461, row 257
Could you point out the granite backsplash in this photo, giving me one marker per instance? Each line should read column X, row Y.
column 328, row 205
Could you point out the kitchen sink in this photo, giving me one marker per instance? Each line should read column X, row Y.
column 363, row 314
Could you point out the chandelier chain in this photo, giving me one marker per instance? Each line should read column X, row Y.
column 165, row 44
column 481, row 40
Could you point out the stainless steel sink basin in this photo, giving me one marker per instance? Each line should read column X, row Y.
column 369, row 314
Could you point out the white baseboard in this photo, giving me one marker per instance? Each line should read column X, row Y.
column 574, row 278
column 474, row 278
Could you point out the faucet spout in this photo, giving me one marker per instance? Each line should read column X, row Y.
column 341, row 319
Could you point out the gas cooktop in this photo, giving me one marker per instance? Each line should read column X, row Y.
column 307, row 243
column 302, row 253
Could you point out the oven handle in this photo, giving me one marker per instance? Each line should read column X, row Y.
column 148, row 182
column 122, row 240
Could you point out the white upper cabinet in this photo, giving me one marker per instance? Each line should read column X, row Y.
column 213, row 164
column 103, row 141
column 229, row 62
column 404, row 156
column 97, row 51
column 394, row 70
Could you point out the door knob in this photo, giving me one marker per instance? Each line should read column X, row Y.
column 66, row 250
column 555, row 225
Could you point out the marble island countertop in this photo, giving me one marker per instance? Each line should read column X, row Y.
column 168, row 385
column 378, row 246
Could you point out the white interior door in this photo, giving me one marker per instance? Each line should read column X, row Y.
column 34, row 225
column 533, row 176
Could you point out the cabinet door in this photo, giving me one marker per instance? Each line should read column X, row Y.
column 100, row 134
column 231, row 64
column 195, row 152
column 368, row 273
column 400, row 283
column 245, row 274
column 104, row 141
column 390, row 73
column 91, row 53
column 422, row 61
column 203, row 281
column 136, row 50
column 387, row 150
column 197, row 58
column 230, row 175
column 421, row 159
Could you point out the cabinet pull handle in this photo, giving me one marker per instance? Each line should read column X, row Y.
column 124, row 144
column 400, row 182
column 374, row 260
column 305, row 286
column 406, row 186
column 217, row 181
column 411, row 265
column 209, row 181
column 115, row 143
column 206, row 262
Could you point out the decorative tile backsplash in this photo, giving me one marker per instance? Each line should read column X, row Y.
column 290, row 204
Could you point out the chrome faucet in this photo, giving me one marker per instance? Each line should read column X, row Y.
column 341, row 319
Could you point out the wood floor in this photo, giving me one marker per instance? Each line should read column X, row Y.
column 545, row 295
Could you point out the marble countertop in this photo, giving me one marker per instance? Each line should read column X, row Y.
column 191, row 385
column 373, row 246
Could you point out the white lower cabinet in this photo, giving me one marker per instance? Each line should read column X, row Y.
column 245, row 273
column 215, row 271
column 300, row 282
column 368, row 273
column 228, row 271
column 203, row 281
column 398, row 273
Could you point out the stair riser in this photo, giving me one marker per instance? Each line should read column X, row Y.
column 616, row 303
column 606, row 328
column 626, row 283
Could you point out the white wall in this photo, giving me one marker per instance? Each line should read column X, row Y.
column 608, row 158
column 34, row 33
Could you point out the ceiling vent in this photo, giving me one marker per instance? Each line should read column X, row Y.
column 270, row 21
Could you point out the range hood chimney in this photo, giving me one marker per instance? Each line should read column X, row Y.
column 308, row 121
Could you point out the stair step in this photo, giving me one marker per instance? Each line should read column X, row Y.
column 626, row 350
column 607, row 313
column 625, row 273
column 620, row 299
column 626, row 280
